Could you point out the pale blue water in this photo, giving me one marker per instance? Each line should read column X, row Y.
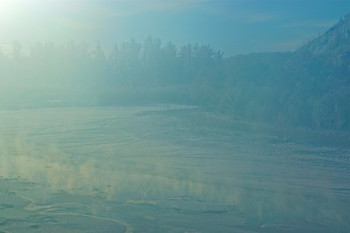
column 153, row 169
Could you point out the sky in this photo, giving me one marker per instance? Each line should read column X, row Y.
column 232, row 26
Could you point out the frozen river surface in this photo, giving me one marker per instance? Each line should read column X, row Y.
column 157, row 170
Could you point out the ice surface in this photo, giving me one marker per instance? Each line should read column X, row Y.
column 160, row 169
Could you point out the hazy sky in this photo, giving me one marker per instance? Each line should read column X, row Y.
column 234, row 26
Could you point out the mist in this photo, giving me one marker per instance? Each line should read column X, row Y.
column 146, row 71
column 190, row 116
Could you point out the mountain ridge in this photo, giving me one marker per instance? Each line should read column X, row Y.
column 309, row 87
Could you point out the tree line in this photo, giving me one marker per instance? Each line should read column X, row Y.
column 130, row 64
column 294, row 89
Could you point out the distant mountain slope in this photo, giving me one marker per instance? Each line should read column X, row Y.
column 335, row 41
column 309, row 87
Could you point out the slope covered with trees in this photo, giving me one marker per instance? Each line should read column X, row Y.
column 309, row 87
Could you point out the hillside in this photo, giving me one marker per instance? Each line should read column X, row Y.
column 307, row 88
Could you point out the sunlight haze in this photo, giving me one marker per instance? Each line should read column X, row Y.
column 233, row 26
column 174, row 116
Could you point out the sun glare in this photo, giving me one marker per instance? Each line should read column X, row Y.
column 9, row 9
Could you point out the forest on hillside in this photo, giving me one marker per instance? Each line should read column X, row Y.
column 306, row 88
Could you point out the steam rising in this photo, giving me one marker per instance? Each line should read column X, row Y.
column 112, row 153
